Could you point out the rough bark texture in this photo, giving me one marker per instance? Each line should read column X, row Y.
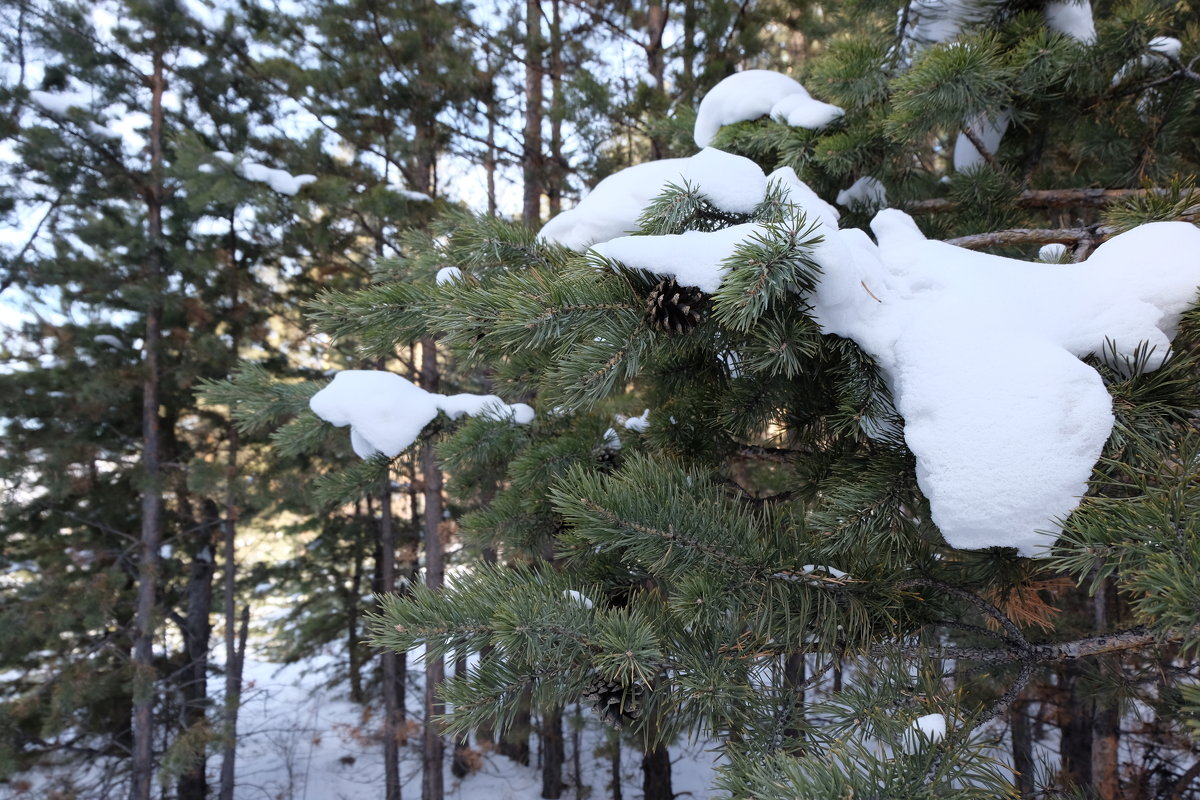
column 555, row 178
column 196, row 631
column 142, row 765
column 432, row 782
column 1075, row 722
column 794, row 676
column 531, row 160
column 387, row 569
column 656, row 774
column 1106, row 734
column 553, row 753
column 1022, row 747
column 233, row 677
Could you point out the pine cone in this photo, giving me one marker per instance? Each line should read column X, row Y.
column 674, row 308
column 616, row 705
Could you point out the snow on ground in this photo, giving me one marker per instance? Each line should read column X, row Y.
column 299, row 739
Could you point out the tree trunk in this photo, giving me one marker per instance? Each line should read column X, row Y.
column 196, row 630
column 793, row 682
column 1075, row 722
column 431, row 784
column 556, row 176
column 656, row 774
column 1106, row 736
column 391, row 739
column 233, row 672
column 615, row 768
column 514, row 740
column 552, row 753
column 1022, row 747
column 531, row 160
column 353, row 647
column 233, row 677
column 656, row 24
column 142, row 766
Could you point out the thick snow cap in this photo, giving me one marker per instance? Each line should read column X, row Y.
column 983, row 357
column 756, row 93
column 386, row 412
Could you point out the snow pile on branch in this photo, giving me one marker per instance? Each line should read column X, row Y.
column 982, row 353
column 60, row 103
column 693, row 258
column 386, row 413
column 756, row 93
column 929, row 22
column 730, row 182
column 866, row 191
column 989, row 130
column 280, row 180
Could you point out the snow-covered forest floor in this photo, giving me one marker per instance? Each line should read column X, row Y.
column 301, row 738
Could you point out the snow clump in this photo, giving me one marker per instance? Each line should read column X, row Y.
column 386, row 412
column 755, row 93
column 280, row 180
column 982, row 353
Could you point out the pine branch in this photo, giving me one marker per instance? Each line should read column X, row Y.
column 980, row 147
column 1043, row 198
column 1039, row 654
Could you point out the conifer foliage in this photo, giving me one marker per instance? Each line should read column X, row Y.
column 758, row 555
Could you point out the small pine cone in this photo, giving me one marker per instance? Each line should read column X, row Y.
column 673, row 308
column 616, row 705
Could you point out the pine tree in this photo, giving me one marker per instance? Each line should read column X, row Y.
column 146, row 277
column 757, row 557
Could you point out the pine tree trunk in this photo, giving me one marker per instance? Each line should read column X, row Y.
column 353, row 648
column 142, row 766
column 555, row 178
column 615, row 768
column 552, row 753
column 531, row 161
column 656, row 774
column 656, row 24
column 233, row 703
column 391, row 739
column 233, row 677
column 689, row 53
column 196, row 630
column 793, row 682
column 1075, row 722
column 1022, row 747
column 431, row 784
column 1106, row 734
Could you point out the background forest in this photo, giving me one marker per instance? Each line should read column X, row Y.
column 210, row 209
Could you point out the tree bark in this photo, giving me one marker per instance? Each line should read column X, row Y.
column 432, row 782
column 196, row 630
column 142, row 766
column 531, row 161
column 615, row 768
column 1075, row 722
column 552, row 753
column 233, row 678
column 554, row 180
column 793, row 682
column 1022, row 747
column 1106, row 735
column 656, row 774
column 391, row 739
